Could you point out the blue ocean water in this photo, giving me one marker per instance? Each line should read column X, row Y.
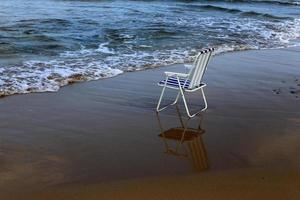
column 45, row 44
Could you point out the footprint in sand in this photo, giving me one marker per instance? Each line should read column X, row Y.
column 293, row 90
column 296, row 93
column 277, row 91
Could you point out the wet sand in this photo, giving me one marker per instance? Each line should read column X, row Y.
column 100, row 139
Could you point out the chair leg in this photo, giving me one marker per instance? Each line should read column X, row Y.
column 158, row 109
column 177, row 97
column 204, row 99
column 159, row 101
column 186, row 106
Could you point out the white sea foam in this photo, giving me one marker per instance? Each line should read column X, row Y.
column 38, row 76
column 145, row 46
column 104, row 49
column 49, row 76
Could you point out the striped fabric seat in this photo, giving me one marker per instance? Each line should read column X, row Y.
column 172, row 81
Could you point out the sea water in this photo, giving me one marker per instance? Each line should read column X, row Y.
column 46, row 44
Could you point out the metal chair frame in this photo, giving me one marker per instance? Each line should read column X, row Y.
column 192, row 82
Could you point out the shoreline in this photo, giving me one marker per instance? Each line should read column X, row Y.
column 102, row 135
column 77, row 78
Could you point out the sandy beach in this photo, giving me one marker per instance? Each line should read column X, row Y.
column 99, row 139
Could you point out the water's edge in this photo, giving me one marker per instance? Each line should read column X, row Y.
column 79, row 78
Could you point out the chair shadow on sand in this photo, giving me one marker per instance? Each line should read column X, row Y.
column 185, row 142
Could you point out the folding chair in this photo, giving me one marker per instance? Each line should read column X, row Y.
column 190, row 82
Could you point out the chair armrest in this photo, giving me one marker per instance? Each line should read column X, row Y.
column 182, row 75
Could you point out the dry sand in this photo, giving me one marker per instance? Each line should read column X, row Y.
column 99, row 140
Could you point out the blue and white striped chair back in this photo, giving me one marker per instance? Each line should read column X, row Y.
column 199, row 67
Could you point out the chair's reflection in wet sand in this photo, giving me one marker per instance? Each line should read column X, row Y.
column 187, row 141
